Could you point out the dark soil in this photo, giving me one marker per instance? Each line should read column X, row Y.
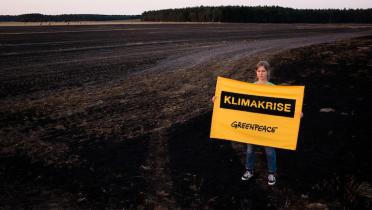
column 115, row 117
column 332, row 158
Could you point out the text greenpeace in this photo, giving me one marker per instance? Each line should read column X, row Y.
column 258, row 104
column 254, row 127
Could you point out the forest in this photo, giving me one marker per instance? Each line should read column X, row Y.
column 259, row 14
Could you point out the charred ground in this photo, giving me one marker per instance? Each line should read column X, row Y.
column 119, row 116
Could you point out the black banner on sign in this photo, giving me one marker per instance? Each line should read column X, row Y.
column 258, row 104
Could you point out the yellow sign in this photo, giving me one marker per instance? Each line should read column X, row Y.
column 257, row 114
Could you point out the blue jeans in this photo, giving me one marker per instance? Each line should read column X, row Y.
column 270, row 156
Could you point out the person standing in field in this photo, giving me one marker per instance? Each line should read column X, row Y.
column 262, row 78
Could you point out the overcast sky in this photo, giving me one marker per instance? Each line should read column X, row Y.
column 133, row 7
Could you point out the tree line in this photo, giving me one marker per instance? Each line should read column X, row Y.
column 36, row 17
column 259, row 14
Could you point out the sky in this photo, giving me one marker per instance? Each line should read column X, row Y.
column 135, row 7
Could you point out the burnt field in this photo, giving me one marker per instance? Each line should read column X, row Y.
column 118, row 116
